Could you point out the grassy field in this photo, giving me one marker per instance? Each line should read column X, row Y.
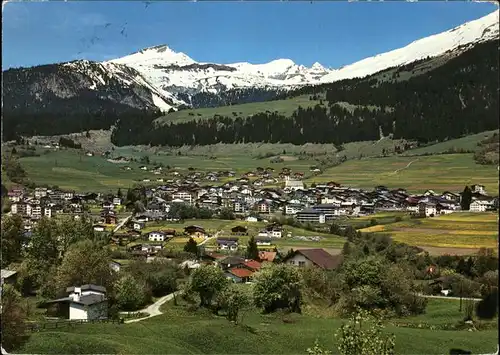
column 468, row 143
column 416, row 174
column 179, row 331
column 456, row 230
column 328, row 241
column 283, row 107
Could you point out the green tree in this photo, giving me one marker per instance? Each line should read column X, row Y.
column 160, row 277
column 252, row 251
column 85, row 262
column 466, row 198
column 278, row 286
column 232, row 300
column 363, row 335
column 12, row 239
column 226, row 213
column 12, row 319
column 191, row 246
column 119, row 194
column 207, row 281
column 130, row 294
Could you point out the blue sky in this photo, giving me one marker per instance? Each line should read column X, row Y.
column 332, row 33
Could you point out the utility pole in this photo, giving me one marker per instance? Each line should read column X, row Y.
column 461, row 292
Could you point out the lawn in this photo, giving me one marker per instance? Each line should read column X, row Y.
column 416, row 174
column 179, row 331
column 224, row 228
column 456, row 230
column 283, row 107
column 468, row 143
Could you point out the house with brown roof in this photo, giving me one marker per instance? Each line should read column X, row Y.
column 314, row 257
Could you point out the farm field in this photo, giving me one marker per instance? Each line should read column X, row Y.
column 416, row 174
column 203, row 333
column 465, row 230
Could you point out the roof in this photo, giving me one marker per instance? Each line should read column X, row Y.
column 321, row 258
column 267, row 255
column 241, row 273
column 253, row 264
column 232, row 260
column 7, row 273
column 88, row 287
column 88, row 300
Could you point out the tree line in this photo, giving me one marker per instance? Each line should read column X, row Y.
column 435, row 106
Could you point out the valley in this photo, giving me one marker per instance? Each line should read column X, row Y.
column 156, row 203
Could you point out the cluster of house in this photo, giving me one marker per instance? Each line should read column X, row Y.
column 316, row 204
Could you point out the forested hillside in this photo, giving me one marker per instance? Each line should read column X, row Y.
column 457, row 98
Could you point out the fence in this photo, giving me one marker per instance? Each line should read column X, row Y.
column 36, row 327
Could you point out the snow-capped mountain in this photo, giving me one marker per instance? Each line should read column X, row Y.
column 159, row 77
column 173, row 73
column 463, row 36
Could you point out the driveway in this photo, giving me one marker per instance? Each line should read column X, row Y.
column 154, row 309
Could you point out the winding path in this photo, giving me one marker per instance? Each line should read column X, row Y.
column 154, row 309
column 406, row 167
column 450, row 297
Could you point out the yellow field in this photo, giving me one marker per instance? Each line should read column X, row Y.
column 457, row 230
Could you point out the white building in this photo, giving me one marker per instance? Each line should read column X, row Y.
column 310, row 216
column 183, row 195
column 156, row 236
column 293, row 184
column 87, row 302
column 478, row 206
column 427, row 209
column 293, row 208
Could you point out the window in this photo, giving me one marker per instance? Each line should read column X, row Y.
column 302, row 263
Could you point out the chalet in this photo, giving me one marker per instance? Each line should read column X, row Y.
column 314, row 257
column 87, row 302
column 239, row 230
column 117, row 201
column 239, row 275
column 267, row 256
column 450, row 196
column 195, row 231
column 478, row 189
column 136, row 225
column 109, row 219
column 263, row 206
column 231, row 262
column 108, row 205
column 427, row 209
column 479, row 206
column 230, row 243
column 156, row 236
column 185, row 196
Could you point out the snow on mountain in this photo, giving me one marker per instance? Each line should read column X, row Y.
column 170, row 73
column 483, row 29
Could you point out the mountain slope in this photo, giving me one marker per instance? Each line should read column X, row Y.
column 47, row 98
column 456, row 98
column 463, row 36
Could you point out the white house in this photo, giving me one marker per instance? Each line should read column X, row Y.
column 185, row 196
column 310, row 215
column 427, row 209
column 293, row 208
column 99, row 228
column 251, row 219
column 156, row 236
column 86, row 302
column 478, row 206
column 478, row 189
column 293, row 184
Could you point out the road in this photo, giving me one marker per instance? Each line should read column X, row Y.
column 406, row 167
column 450, row 297
column 154, row 309
column 206, row 240
column 122, row 223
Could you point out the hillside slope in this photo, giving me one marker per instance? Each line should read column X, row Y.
column 456, row 98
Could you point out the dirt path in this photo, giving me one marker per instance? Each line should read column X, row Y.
column 154, row 309
column 121, row 224
column 406, row 167
column 450, row 297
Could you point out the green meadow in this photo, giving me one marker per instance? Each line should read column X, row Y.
column 199, row 332
column 416, row 174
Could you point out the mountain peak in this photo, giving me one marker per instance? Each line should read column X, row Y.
column 156, row 55
column 317, row 66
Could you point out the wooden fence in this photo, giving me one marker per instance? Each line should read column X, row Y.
column 59, row 324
